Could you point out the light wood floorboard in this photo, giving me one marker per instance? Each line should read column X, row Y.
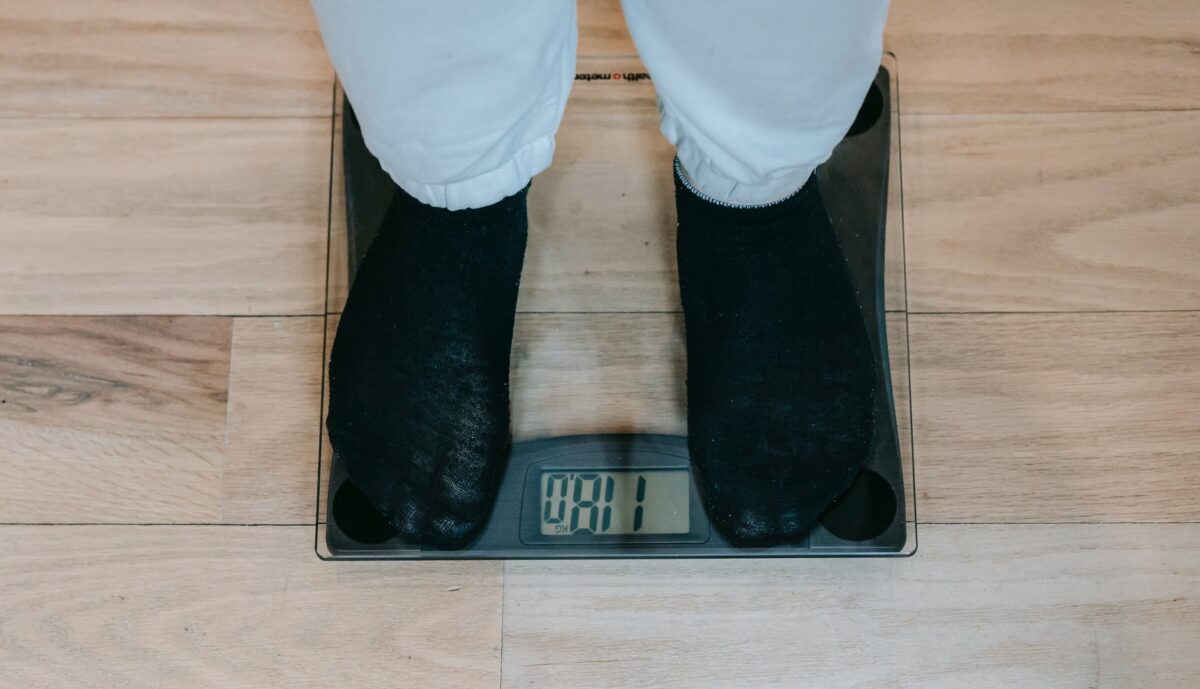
column 602, row 30
column 161, row 58
column 113, row 419
column 158, row 419
column 1059, row 417
column 979, row 56
column 1091, row 211
column 163, row 216
column 1053, row 607
column 233, row 606
column 271, row 430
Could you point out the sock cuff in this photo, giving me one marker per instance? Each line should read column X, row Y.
column 505, row 208
column 689, row 198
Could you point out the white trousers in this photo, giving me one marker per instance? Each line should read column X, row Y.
column 460, row 99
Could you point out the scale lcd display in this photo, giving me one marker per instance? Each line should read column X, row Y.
column 618, row 502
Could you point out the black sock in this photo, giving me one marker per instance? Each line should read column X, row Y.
column 419, row 407
column 781, row 375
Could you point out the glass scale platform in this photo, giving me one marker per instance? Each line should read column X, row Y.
column 628, row 495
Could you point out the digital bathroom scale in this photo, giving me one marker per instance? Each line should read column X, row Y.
column 631, row 495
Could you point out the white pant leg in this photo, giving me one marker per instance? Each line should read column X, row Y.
column 458, row 100
column 755, row 94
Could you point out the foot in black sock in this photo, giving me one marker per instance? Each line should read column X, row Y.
column 418, row 376
column 781, row 375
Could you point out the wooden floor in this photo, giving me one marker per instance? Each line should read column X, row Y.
column 171, row 265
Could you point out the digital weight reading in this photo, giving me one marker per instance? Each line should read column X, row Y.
column 619, row 502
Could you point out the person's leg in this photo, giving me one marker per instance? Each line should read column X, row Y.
column 756, row 94
column 460, row 102
column 781, row 375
